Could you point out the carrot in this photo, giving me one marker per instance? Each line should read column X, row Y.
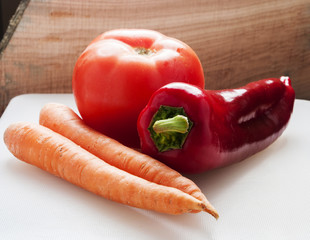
column 52, row 152
column 66, row 122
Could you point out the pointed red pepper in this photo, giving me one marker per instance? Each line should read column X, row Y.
column 193, row 130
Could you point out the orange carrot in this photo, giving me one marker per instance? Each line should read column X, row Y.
column 52, row 152
column 66, row 122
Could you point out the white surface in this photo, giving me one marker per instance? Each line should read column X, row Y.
column 266, row 196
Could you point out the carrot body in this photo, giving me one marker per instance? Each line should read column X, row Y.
column 58, row 155
column 66, row 122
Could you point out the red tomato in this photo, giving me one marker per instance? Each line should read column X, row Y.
column 117, row 73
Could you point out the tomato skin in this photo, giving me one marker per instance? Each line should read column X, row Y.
column 118, row 72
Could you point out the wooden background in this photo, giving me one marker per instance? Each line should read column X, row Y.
column 237, row 41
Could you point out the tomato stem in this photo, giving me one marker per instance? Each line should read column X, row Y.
column 144, row 51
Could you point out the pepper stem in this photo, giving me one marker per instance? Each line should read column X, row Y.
column 178, row 123
column 172, row 126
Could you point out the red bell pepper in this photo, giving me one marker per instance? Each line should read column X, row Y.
column 193, row 130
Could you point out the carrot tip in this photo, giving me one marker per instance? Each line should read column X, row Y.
column 207, row 207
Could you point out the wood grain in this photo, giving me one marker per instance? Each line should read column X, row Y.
column 237, row 41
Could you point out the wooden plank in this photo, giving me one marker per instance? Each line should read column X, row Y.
column 237, row 41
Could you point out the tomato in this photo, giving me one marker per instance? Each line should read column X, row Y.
column 119, row 70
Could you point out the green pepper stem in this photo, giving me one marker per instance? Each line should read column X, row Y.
column 178, row 123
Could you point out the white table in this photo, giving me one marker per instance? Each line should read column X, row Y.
column 266, row 196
